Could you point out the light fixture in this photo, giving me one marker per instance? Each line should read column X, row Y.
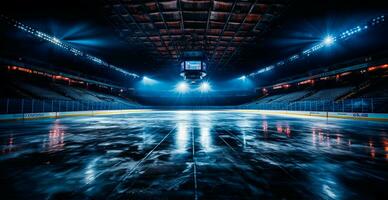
column 204, row 87
column 148, row 81
column 243, row 78
column 56, row 40
column 64, row 45
column 182, row 87
column 329, row 40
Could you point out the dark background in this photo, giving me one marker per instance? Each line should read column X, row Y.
column 83, row 23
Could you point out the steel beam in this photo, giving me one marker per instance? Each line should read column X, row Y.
column 223, row 30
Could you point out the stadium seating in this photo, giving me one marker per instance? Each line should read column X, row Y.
column 282, row 98
column 328, row 94
column 10, row 91
column 40, row 92
column 304, row 95
column 377, row 89
column 24, row 88
column 294, row 96
column 269, row 98
column 76, row 93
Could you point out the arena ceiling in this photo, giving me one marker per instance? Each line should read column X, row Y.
column 237, row 36
column 218, row 28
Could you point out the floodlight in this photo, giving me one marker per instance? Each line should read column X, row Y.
column 182, row 87
column 329, row 40
column 56, row 40
column 204, row 87
column 148, row 81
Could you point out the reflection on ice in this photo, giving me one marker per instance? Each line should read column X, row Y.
column 385, row 144
column 56, row 137
column 372, row 149
column 169, row 155
column 205, row 125
column 90, row 173
column 8, row 147
column 283, row 129
column 183, row 135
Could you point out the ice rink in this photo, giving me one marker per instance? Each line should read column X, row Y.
column 193, row 155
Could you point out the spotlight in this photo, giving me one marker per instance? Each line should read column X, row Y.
column 182, row 87
column 329, row 40
column 243, row 78
column 56, row 40
column 148, row 81
column 64, row 45
column 204, row 87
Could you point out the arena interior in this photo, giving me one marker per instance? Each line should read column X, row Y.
column 193, row 99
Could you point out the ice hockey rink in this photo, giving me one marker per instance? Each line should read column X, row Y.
column 193, row 154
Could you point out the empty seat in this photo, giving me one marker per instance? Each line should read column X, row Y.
column 291, row 97
column 328, row 94
column 41, row 92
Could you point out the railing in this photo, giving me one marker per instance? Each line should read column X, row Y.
column 11, row 106
column 351, row 105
